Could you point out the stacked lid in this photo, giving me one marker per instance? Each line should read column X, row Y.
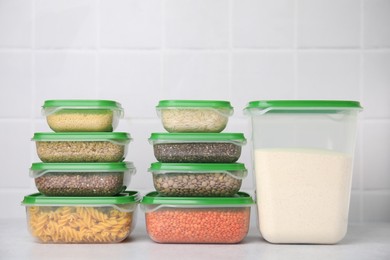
column 83, row 157
column 194, row 157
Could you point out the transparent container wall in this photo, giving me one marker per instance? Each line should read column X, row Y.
column 331, row 131
column 303, row 171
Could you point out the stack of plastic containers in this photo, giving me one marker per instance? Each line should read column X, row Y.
column 197, row 179
column 82, row 178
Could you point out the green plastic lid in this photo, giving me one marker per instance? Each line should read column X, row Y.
column 218, row 104
column 119, row 137
column 38, row 169
column 79, row 103
column 241, row 198
column 237, row 138
column 306, row 106
column 125, row 197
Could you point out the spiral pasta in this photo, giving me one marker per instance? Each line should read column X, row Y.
column 79, row 224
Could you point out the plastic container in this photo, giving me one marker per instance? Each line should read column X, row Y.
column 82, row 179
column 303, row 158
column 81, row 219
column 197, row 147
column 82, row 115
column 81, row 146
column 198, row 179
column 198, row 116
column 197, row 219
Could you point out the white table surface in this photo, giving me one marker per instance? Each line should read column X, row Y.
column 369, row 241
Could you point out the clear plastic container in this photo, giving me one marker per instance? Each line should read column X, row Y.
column 197, row 116
column 82, row 179
column 198, row 179
column 303, row 156
column 81, row 146
column 81, row 219
column 82, row 115
column 197, row 147
column 197, row 219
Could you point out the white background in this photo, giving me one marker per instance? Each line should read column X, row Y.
column 138, row 52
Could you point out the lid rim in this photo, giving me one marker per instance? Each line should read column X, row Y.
column 317, row 104
column 194, row 103
column 126, row 197
column 241, row 198
column 196, row 167
column 82, row 103
column 81, row 136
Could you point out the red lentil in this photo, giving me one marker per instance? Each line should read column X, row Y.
column 198, row 225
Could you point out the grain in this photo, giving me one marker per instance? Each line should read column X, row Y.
column 81, row 121
column 197, row 152
column 302, row 195
column 203, row 184
column 80, row 183
column 194, row 120
column 198, row 225
column 78, row 224
column 80, row 151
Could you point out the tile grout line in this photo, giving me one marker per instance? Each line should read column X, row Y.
column 230, row 49
column 360, row 140
column 295, row 46
column 162, row 49
column 97, row 49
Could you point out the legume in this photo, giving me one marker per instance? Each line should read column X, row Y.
column 80, row 183
column 203, row 184
column 198, row 225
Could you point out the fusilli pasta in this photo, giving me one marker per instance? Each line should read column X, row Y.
column 68, row 224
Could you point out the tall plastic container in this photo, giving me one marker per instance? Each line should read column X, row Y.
column 303, row 156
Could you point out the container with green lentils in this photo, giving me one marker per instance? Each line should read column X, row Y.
column 198, row 179
column 82, row 179
column 197, row 147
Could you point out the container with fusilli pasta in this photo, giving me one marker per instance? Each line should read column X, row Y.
column 81, row 219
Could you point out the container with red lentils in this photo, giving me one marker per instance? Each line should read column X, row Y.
column 197, row 219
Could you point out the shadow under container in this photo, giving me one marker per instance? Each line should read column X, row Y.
column 196, row 116
column 81, row 219
column 82, row 115
column 303, row 154
column 82, row 179
column 82, row 146
column 197, row 147
column 198, row 179
column 197, row 219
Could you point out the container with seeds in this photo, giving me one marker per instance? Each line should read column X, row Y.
column 198, row 116
column 198, row 179
column 81, row 219
column 81, row 179
column 82, row 115
column 197, row 147
column 197, row 219
column 82, row 146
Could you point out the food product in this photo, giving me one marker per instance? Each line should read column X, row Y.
column 81, row 179
column 194, row 115
column 197, row 147
column 79, row 224
column 82, row 147
column 81, row 219
column 82, row 115
column 304, row 193
column 197, row 179
column 80, row 183
column 197, row 220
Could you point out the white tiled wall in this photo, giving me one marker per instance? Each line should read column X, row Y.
column 140, row 51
